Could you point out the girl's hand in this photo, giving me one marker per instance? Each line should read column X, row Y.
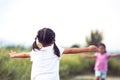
column 12, row 54
column 92, row 48
column 83, row 55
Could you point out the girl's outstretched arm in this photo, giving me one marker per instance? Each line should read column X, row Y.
column 13, row 54
column 114, row 55
column 91, row 48
column 84, row 55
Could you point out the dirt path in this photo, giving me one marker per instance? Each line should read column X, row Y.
column 91, row 77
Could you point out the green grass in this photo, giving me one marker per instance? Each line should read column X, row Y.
column 70, row 65
column 13, row 69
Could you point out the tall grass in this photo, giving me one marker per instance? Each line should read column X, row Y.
column 73, row 64
column 70, row 65
column 13, row 69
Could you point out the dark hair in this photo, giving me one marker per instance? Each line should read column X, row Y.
column 46, row 36
column 102, row 44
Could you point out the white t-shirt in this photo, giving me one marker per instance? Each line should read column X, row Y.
column 45, row 64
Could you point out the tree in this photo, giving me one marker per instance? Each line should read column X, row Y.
column 95, row 38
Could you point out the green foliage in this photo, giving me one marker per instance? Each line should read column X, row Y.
column 95, row 38
column 13, row 69
column 114, row 67
column 70, row 65
column 73, row 64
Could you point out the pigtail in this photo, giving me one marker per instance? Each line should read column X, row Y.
column 56, row 50
column 34, row 46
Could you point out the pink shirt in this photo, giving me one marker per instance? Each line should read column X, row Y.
column 101, row 62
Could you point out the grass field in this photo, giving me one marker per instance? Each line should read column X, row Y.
column 92, row 77
column 70, row 67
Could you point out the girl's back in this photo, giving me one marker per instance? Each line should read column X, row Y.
column 45, row 62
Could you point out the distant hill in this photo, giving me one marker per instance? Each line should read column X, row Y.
column 6, row 43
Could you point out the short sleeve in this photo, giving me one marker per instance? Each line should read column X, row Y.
column 108, row 55
column 61, row 50
column 31, row 55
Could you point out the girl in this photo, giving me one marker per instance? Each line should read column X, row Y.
column 45, row 59
column 101, row 64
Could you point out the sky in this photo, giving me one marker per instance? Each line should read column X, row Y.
column 72, row 20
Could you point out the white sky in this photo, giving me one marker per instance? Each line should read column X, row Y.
column 72, row 20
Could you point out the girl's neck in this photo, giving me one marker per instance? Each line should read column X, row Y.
column 102, row 53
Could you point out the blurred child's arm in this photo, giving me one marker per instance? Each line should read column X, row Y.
column 19, row 55
column 84, row 55
column 91, row 48
column 114, row 55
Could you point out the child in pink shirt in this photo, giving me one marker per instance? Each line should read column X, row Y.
column 101, row 64
column 101, row 61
